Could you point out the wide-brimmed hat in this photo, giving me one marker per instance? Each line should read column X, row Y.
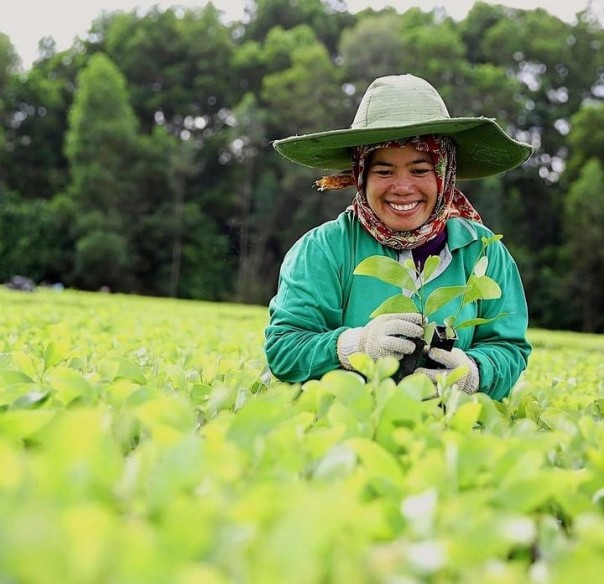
column 402, row 106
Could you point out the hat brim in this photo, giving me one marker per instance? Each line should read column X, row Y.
column 483, row 148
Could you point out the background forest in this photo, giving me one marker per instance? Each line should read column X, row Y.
column 140, row 159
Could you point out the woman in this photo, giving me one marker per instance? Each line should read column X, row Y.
column 406, row 153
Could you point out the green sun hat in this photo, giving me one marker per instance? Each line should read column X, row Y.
column 402, row 106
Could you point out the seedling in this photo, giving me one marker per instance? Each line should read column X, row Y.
column 407, row 276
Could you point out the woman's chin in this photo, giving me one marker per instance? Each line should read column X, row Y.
column 403, row 225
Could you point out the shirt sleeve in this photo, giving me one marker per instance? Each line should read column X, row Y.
column 501, row 348
column 306, row 314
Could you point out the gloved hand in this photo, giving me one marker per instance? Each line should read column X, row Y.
column 385, row 335
column 451, row 360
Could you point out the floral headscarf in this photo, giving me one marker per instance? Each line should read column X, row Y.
column 450, row 202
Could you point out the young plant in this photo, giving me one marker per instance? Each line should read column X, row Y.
column 407, row 276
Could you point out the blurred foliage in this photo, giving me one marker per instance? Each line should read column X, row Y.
column 142, row 440
column 157, row 127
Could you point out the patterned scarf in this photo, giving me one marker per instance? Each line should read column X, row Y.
column 450, row 202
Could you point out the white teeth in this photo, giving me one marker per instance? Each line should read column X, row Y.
column 406, row 207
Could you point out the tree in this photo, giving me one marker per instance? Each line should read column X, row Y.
column 327, row 18
column 586, row 138
column 427, row 44
column 304, row 95
column 170, row 159
column 100, row 146
column 36, row 125
column 249, row 134
column 35, row 241
column 584, row 244
column 583, row 221
column 383, row 47
column 102, row 137
column 177, row 64
column 9, row 60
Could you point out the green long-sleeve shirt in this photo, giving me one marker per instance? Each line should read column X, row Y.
column 318, row 297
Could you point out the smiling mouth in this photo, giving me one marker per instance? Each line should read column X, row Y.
column 405, row 207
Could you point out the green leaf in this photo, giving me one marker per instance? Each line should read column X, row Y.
column 256, row 419
column 396, row 303
column 69, row 384
column 386, row 269
column 456, row 374
column 199, row 393
column 480, row 269
column 33, row 399
column 55, row 352
column 23, row 423
column 417, row 386
column 385, row 367
column 481, row 288
column 429, row 332
column 490, row 416
column 432, row 262
column 177, row 377
column 489, row 240
column 409, row 265
column 340, row 415
column 166, row 418
column 466, row 416
column 450, row 327
column 442, row 296
column 449, row 321
column 383, row 468
column 478, row 321
column 337, row 463
column 24, row 363
column 345, row 386
column 362, row 363
column 116, row 367
column 8, row 377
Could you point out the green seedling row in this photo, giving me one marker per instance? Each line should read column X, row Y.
column 142, row 440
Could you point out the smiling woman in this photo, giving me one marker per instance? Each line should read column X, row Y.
column 401, row 186
column 402, row 154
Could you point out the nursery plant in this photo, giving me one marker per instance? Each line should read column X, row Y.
column 141, row 441
column 413, row 298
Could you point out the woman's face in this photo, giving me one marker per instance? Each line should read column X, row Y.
column 401, row 186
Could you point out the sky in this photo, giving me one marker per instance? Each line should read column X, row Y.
column 27, row 21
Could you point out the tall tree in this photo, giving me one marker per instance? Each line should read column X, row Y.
column 177, row 64
column 36, row 125
column 101, row 146
column 183, row 188
column 299, row 90
column 304, row 95
column 583, row 220
column 584, row 244
column 326, row 17
column 383, row 47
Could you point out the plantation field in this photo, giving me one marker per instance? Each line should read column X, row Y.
column 142, row 441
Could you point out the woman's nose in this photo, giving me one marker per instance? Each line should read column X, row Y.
column 403, row 184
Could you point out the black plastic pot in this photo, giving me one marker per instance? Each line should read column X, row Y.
column 441, row 341
column 409, row 363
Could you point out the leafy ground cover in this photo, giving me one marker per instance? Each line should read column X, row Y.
column 141, row 440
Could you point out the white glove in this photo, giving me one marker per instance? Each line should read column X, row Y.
column 451, row 360
column 385, row 335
